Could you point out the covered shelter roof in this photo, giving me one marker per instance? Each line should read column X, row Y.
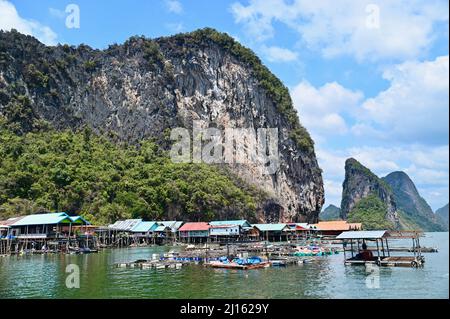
column 125, row 225
column 363, row 234
column 10, row 221
column 240, row 222
column 143, row 227
column 195, row 226
column 162, row 228
column 79, row 220
column 169, row 223
column 270, row 227
column 43, row 219
column 337, row 225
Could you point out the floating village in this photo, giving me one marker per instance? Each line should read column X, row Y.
column 229, row 244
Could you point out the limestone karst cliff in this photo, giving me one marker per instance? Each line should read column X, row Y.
column 143, row 88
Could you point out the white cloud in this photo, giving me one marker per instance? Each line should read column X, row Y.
column 407, row 125
column 415, row 107
column 174, row 6
column 406, row 28
column 57, row 13
column 427, row 166
column 10, row 19
column 322, row 109
column 333, row 190
column 277, row 54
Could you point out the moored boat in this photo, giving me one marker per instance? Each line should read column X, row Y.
column 239, row 263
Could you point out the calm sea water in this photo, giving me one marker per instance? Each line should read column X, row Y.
column 42, row 276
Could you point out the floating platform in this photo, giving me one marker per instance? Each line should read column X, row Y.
column 151, row 264
column 231, row 265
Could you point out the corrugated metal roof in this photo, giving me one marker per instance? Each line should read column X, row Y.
column 224, row 226
column 10, row 221
column 240, row 222
column 177, row 225
column 270, row 227
column 143, row 227
column 194, row 226
column 167, row 223
column 42, row 219
column 161, row 228
column 125, row 225
column 173, row 225
column 363, row 234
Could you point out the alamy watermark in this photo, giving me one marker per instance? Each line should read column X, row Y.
column 73, row 277
column 73, row 16
column 373, row 16
column 373, row 279
column 231, row 146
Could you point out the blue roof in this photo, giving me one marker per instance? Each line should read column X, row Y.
column 270, row 227
column 43, row 219
column 241, row 222
column 143, row 227
column 161, row 228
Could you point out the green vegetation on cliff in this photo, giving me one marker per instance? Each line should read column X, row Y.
column 371, row 211
column 86, row 174
column 331, row 213
column 414, row 209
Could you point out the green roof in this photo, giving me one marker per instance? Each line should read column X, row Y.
column 79, row 220
column 44, row 219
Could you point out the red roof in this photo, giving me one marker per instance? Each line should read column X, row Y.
column 195, row 226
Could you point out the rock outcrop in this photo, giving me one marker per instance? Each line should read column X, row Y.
column 442, row 214
column 414, row 209
column 332, row 212
column 144, row 88
column 359, row 183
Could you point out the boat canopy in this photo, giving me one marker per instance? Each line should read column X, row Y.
column 363, row 234
column 379, row 234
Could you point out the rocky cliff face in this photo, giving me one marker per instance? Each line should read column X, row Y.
column 442, row 213
column 414, row 209
column 143, row 88
column 359, row 183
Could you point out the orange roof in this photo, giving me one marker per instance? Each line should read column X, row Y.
column 337, row 225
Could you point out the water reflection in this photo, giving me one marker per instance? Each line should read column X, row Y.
column 44, row 276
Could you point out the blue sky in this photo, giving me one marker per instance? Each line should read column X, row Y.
column 369, row 78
